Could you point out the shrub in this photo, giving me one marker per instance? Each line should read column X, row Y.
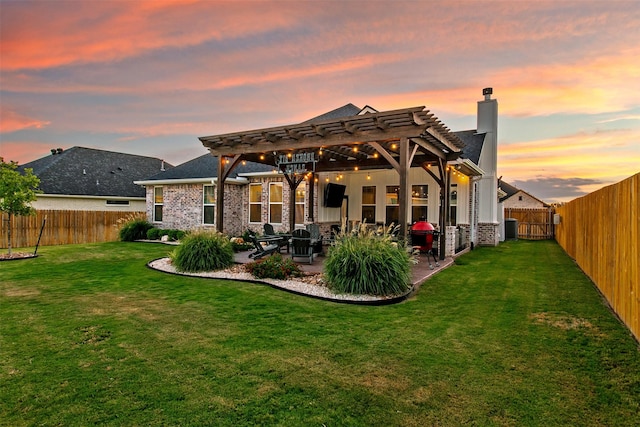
column 135, row 229
column 366, row 264
column 203, row 251
column 274, row 267
column 153, row 233
column 175, row 234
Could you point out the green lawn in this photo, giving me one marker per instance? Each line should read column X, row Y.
column 513, row 335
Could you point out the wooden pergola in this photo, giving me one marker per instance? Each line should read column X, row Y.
column 397, row 139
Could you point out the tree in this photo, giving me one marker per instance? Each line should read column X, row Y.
column 17, row 191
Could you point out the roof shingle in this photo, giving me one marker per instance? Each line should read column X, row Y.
column 91, row 172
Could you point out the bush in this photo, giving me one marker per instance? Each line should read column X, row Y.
column 135, row 229
column 175, row 234
column 203, row 251
column 274, row 267
column 367, row 264
column 153, row 233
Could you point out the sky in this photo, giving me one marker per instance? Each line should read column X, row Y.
column 150, row 77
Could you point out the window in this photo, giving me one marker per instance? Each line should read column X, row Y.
column 255, row 203
column 453, row 204
column 520, row 198
column 158, row 201
column 209, row 204
column 117, row 203
column 275, row 203
column 369, row 204
column 300, row 194
column 392, row 208
column 419, row 202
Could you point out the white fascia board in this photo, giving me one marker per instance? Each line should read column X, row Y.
column 237, row 181
column 468, row 167
column 260, row 174
column 81, row 196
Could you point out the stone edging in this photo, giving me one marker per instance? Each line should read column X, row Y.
column 281, row 285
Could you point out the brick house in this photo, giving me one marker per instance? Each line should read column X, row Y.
column 381, row 166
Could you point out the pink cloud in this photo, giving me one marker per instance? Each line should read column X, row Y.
column 53, row 35
column 11, row 121
column 24, row 151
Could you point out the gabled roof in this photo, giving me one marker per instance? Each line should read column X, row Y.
column 205, row 167
column 344, row 111
column 84, row 171
column 473, row 143
column 511, row 191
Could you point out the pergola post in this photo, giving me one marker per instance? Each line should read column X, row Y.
column 225, row 166
column 403, row 191
column 311, row 196
column 294, row 181
column 220, row 195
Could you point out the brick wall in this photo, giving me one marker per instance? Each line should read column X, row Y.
column 183, row 207
column 488, row 233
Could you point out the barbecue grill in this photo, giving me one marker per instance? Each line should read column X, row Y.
column 422, row 236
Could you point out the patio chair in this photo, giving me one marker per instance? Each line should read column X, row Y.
column 262, row 250
column 301, row 246
column 282, row 241
column 316, row 237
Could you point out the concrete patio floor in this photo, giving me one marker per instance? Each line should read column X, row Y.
column 419, row 272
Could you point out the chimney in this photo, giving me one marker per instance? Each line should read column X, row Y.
column 162, row 166
column 487, row 92
column 488, row 124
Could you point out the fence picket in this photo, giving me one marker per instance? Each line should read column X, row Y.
column 601, row 231
column 63, row 227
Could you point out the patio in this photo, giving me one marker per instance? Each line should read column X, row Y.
column 420, row 271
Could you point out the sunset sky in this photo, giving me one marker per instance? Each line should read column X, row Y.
column 149, row 77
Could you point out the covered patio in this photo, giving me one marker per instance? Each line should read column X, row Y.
column 398, row 139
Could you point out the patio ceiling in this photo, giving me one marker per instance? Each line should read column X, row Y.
column 368, row 141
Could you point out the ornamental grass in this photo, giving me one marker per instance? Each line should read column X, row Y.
column 203, row 251
column 365, row 263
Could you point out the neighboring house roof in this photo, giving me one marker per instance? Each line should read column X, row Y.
column 473, row 143
column 206, row 166
column 511, row 191
column 84, row 171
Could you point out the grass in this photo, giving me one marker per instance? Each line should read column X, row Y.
column 513, row 335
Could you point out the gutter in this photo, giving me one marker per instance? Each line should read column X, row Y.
column 237, row 181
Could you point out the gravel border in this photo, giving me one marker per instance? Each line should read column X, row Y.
column 294, row 286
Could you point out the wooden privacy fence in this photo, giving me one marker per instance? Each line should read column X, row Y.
column 533, row 223
column 63, row 227
column 601, row 232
